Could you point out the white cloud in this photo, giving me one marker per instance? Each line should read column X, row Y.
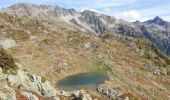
column 90, row 10
column 131, row 15
column 167, row 18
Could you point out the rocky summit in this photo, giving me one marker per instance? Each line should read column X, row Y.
column 41, row 45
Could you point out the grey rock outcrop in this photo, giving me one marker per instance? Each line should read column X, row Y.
column 30, row 96
column 32, row 83
column 80, row 95
column 160, row 71
column 76, row 95
column 109, row 92
column 6, row 92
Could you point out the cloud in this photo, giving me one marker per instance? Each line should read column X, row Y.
column 90, row 10
column 167, row 18
column 131, row 15
column 156, row 10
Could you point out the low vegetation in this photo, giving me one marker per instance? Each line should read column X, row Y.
column 7, row 62
column 151, row 52
column 101, row 67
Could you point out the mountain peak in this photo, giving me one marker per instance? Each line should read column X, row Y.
column 89, row 12
column 137, row 22
column 157, row 19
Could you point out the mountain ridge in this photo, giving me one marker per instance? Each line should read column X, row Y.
column 135, row 67
column 156, row 30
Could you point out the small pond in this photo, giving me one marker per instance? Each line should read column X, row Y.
column 81, row 81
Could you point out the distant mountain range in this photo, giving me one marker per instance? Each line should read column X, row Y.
column 156, row 30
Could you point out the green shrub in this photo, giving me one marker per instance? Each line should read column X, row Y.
column 43, row 79
column 7, row 62
column 1, row 27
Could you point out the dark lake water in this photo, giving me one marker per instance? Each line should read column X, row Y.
column 81, row 81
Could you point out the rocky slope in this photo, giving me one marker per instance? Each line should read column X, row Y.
column 156, row 30
column 136, row 68
column 18, row 84
column 86, row 21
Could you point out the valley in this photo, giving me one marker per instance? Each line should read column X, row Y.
column 48, row 46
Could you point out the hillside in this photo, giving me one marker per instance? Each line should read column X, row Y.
column 54, row 42
column 157, row 30
column 136, row 68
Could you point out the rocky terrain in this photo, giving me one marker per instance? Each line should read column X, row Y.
column 156, row 30
column 43, row 44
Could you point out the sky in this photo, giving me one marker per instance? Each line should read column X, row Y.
column 130, row 10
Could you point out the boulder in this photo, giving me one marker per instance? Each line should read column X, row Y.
column 49, row 90
column 156, row 72
column 76, row 94
column 30, row 96
column 7, row 43
column 160, row 71
column 6, row 92
column 64, row 93
column 108, row 92
column 81, row 95
column 87, row 45
column 164, row 71
column 32, row 83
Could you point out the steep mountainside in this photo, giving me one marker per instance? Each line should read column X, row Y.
column 156, row 30
column 136, row 68
column 86, row 21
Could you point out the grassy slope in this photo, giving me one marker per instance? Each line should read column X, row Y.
column 59, row 51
